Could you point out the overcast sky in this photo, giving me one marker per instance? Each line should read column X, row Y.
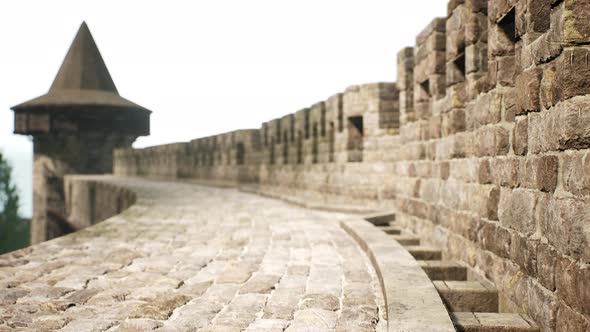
column 204, row 67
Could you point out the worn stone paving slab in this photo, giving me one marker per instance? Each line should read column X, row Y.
column 193, row 258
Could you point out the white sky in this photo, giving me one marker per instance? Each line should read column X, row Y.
column 204, row 67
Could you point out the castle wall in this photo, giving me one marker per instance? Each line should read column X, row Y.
column 482, row 147
column 88, row 201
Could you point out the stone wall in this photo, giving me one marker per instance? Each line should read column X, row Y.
column 58, row 154
column 88, row 201
column 482, row 147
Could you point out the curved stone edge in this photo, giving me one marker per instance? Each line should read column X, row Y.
column 411, row 301
column 90, row 199
column 306, row 203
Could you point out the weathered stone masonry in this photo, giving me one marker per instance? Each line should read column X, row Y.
column 482, row 147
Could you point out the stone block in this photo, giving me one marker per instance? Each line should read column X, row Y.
column 540, row 173
column 475, row 58
column 10, row 296
column 573, row 73
column 546, row 89
column 261, row 283
column 456, row 95
column 462, row 296
column 313, row 320
column 160, row 308
column 476, row 29
column 484, row 172
column 487, row 109
column 320, row 301
column 549, row 45
column 406, row 240
column 477, row 6
column 455, row 32
column 498, row 8
column 391, row 230
column 381, row 219
column 563, row 224
column 444, row 270
column 483, row 200
column 478, row 83
column 454, row 74
column 538, row 15
column 546, row 261
column 437, row 25
column 523, row 252
column 515, row 210
column 453, row 122
column 569, row 320
column 535, row 132
column 528, row 85
column 499, row 44
column 583, row 280
column 566, row 282
column 493, row 238
column 520, row 136
column 520, row 23
column 464, row 170
column 492, row 141
column 505, row 171
column 424, row 253
column 434, row 127
column 542, row 304
column 576, row 23
column 508, row 104
column 573, row 122
column 575, row 173
column 488, row 321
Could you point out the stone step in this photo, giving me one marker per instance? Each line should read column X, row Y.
column 391, row 230
column 444, row 270
column 461, row 296
column 406, row 240
column 381, row 218
column 489, row 321
column 424, row 253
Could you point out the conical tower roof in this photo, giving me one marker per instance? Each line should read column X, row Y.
column 82, row 80
column 83, row 68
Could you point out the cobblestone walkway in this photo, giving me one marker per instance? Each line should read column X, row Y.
column 193, row 258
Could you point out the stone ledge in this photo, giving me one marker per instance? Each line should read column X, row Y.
column 90, row 199
column 412, row 302
column 306, row 203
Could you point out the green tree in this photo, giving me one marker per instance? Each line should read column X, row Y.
column 14, row 231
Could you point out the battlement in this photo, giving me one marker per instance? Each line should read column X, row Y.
column 481, row 146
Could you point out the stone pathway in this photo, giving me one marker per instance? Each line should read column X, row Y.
column 193, row 258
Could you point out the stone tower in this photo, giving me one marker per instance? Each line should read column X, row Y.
column 75, row 127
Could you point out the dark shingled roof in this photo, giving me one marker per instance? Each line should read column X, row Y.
column 82, row 80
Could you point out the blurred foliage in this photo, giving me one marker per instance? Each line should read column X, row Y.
column 14, row 231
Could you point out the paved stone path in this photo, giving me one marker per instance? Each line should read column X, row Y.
column 193, row 258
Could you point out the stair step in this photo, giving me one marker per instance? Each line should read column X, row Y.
column 462, row 296
column 381, row 219
column 424, row 253
column 406, row 240
column 489, row 321
column 391, row 230
column 444, row 270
